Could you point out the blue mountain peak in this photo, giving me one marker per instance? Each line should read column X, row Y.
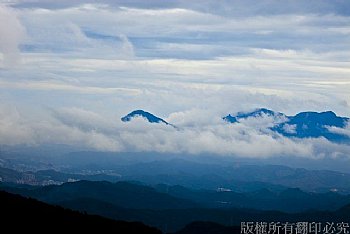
column 144, row 114
column 323, row 118
column 313, row 124
column 256, row 113
column 302, row 125
column 230, row 119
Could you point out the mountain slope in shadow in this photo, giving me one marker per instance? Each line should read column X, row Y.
column 25, row 214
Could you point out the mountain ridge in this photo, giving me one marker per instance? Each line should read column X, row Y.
column 308, row 124
column 151, row 118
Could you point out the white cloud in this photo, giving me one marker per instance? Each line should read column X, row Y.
column 12, row 34
column 126, row 49
column 344, row 131
column 15, row 128
column 82, row 119
column 59, row 86
column 290, row 128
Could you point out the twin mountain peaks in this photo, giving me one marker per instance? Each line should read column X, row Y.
column 302, row 125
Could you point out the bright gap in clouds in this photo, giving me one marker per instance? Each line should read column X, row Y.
column 85, row 65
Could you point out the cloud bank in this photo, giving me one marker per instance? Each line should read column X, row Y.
column 78, row 127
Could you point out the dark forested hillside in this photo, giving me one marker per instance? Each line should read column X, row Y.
column 29, row 215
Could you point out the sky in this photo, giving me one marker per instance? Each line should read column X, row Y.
column 69, row 70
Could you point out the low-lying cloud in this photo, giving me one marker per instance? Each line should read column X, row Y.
column 86, row 129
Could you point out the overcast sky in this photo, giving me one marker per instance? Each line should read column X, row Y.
column 70, row 69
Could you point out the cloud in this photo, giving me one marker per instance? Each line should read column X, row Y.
column 86, row 129
column 71, row 36
column 227, row 8
column 16, row 129
column 82, row 119
column 12, row 33
column 58, row 86
column 344, row 131
column 189, row 26
column 289, row 128
column 13, row 128
column 189, row 62
column 127, row 49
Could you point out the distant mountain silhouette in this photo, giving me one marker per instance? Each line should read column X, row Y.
column 242, row 178
column 121, row 194
column 193, row 174
column 45, row 177
column 133, row 196
column 19, row 214
column 144, row 114
column 288, row 200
